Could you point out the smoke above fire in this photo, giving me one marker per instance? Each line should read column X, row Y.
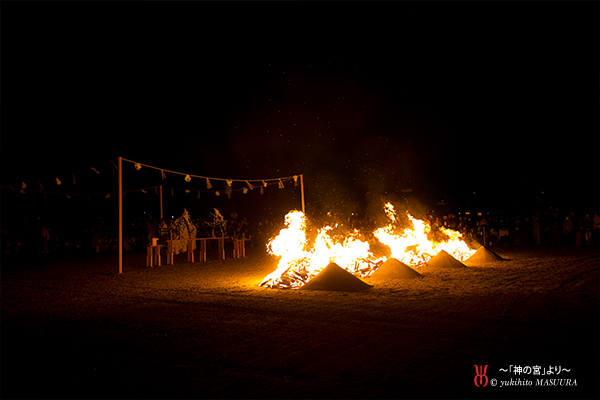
column 304, row 252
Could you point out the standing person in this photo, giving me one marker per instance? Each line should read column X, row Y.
column 482, row 226
column 45, row 236
column 595, row 228
column 586, row 225
column 154, row 231
column 503, row 236
column 147, row 236
column 568, row 229
column 163, row 232
column 97, row 241
column 493, row 237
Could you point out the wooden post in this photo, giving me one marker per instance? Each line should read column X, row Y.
column 190, row 250
column 161, row 206
column 203, row 250
column 120, row 216
column 221, row 241
column 169, row 252
column 302, row 191
column 157, row 255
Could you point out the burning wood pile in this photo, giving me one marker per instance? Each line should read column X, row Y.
column 300, row 261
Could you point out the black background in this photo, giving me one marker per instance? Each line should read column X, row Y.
column 488, row 106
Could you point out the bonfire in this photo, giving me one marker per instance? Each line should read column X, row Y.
column 300, row 261
column 414, row 247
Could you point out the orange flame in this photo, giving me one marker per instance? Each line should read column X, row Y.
column 413, row 247
column 298, row 263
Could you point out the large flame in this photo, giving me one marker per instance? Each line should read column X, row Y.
column 413, row 246
column 298, row 263
column 290, row 245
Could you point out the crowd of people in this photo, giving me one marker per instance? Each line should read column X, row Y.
column 547, row 228
column 551, row 228
column 103, row 236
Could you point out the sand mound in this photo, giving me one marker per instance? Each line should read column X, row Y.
column 484, row 254
column 335, row 278
column 394, row 269
column 444, row 260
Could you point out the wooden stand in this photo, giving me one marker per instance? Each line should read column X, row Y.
column 190, row 252
column 169, row 252
column 222, row 248
column 153, row 255
column 203, row 250
column 239, row 248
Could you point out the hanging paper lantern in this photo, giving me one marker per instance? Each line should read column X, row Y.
column 21, row 191
column 187, row 191
column 280, row 184
column 217, row 193
column 58, row 182
column 208, row 185
column 187, row 178
column 244, row 190
column 23, row 185
column 137, row 166
column 264, row 183
column 295, row 180
column 143, row 191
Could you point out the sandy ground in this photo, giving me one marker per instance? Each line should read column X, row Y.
column 74, row 328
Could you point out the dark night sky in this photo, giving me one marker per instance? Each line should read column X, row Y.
column 364, row 99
